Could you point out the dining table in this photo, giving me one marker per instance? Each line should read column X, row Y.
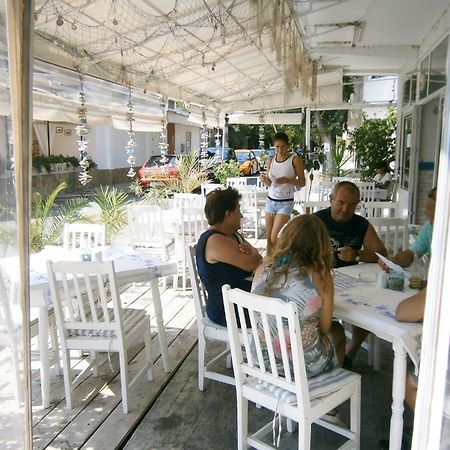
column 130, row 266
column 359, row 301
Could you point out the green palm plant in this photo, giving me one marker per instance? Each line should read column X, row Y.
column 112, row 202
column 192, row 172
column 47, row 222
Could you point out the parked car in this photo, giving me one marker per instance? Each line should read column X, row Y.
column 249, row 164
column 221, row 154
column 153, row 171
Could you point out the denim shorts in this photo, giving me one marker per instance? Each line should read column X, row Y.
column 284, row 207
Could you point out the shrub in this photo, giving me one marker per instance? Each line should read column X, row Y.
column 225, row 170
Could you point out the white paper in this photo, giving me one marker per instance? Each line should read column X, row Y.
column 390, row 264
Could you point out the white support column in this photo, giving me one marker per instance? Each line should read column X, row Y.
column 308, row 129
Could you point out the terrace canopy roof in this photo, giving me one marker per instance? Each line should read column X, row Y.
column 226, row 55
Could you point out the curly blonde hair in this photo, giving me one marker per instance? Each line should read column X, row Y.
column 304, row 244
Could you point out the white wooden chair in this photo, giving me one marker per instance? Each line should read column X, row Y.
column 186, row 201
column 325, row 189
column 90, row 317
column 366, row 190
column 192, row 223
column 83, row 235
column 339, row 179
column 378, row 209
column 236, row 182
column 146, row 225
column 206, row 329
column 311, row 207
column 251, row 211
column 269, row 370
column 209, row 187
column 394, row 232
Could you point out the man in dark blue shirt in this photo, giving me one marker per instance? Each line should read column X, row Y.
column 353, row 239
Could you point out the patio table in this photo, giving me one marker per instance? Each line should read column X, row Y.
column 363, row 304
column 130, row 266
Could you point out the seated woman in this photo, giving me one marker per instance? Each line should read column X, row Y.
column 383, row 177
column 299, row 270
column 223, row 256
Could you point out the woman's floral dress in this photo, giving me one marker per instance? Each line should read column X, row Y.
column 319, row 352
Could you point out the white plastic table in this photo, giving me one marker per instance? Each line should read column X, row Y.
column 130, row 266
column 367, row 306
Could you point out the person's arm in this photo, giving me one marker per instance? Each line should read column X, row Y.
column 220, row 248
column 264, row 177
column 371, row 244
column 325, row 288
column 403, row 259
column 412, row 309
column 299, row 179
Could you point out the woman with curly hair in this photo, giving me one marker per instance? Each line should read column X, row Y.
column 299, row 270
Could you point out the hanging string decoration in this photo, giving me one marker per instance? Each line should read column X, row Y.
column 163, row 145
column 261, row 132
column 82, row 130
column 217, row 135
column 203, row 137
column 131, row 143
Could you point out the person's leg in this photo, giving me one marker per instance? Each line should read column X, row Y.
column 269, row 225
column 280, row 220
column 338, row 335
column 358, row 336
column 410, row 392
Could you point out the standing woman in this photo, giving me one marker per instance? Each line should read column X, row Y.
column 285, row 172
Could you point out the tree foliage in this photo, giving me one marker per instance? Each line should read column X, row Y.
column 374, row 141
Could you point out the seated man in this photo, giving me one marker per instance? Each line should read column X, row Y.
column 422, row 245
column 354, row 239
column 223, row 256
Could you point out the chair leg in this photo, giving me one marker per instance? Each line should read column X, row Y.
column 55, row 346
column 148, row 352
column 228, row 361
column 242, row 422
column 355, row 415
column 94, row 362
column 201, row 361
column 67, row 371
column 304, row 436
column 123, row 359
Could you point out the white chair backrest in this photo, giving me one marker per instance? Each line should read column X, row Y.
column 251, row 217
column 339, row 179
column 83, row 235
column 198, row 290
column 192, row 225
column 366, row 190
column 209, row 187
column 274, row 352
column 186, row 201
column 378, row 209
column 81, row 297
column 236, row 182
column 325, row 189
column 311, row 207
column 394, row 232
column 146, row 226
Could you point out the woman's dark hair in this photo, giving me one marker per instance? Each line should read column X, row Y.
column 383, row 165
column 218, row 202
column 432, row 193
column 280, row 136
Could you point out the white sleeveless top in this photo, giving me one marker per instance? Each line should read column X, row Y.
column 282, row 169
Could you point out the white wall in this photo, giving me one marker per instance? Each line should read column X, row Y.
column 107, row 144
column 379, row 90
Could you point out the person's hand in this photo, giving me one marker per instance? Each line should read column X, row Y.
column 346, row 254
column 383, row 266
column 283, row 180
column 264, row 178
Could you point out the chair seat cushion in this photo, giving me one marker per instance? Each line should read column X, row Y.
column 130, row 318
column 319, row 386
